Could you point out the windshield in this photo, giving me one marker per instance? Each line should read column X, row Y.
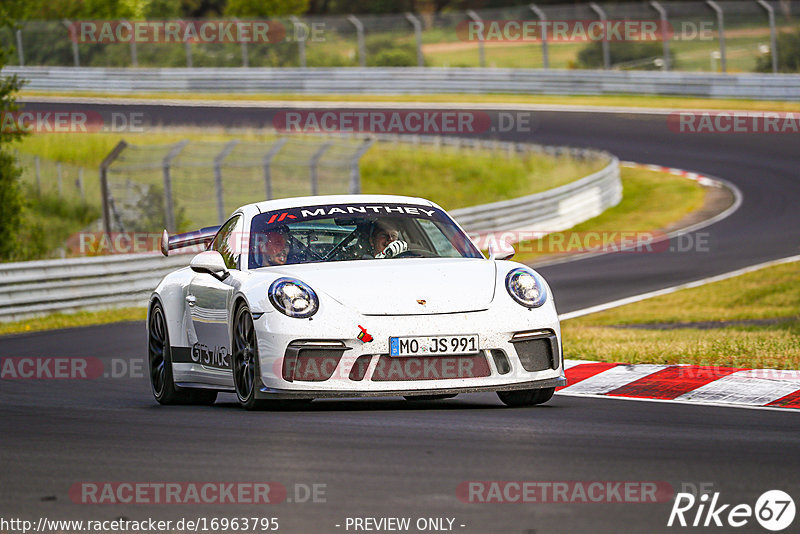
column 341, row 232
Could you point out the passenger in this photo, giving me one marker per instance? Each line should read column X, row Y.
column 384, row 239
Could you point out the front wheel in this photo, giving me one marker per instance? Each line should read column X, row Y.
column 246, row 373
column 526, row 397
column 159, row 356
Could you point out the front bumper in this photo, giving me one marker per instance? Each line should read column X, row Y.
column 279, row 335
column 268, row 393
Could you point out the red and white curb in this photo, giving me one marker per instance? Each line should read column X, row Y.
column 696, row 384
column 703, row 180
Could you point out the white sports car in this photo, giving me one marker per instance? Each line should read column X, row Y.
column 349, row 296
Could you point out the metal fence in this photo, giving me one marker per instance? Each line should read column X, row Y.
column 193, row 183
column 54, row 178
column 705, row 35
column 49, row 286
column 412, row 80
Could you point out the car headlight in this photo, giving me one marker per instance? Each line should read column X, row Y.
column 526, row 287
column 293, row 298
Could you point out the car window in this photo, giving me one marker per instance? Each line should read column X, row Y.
column 327, row 233
column 226, row 242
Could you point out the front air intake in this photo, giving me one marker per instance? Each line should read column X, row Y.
column 312, row 361
column 537, row 351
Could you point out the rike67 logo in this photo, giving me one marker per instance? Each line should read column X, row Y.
column 774, row 510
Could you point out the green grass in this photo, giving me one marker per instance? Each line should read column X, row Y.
column 443, row 175
column 48, row 220
column 455, row 180
column 621, row 100
column 651, row 201
column 72, row 320
column 768, row 294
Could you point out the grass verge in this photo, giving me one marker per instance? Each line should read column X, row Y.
column 621, row 100
column 651, row 201
column 750, row 321
column 71, row 320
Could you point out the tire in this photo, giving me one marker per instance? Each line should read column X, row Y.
column 526, row 397
column 244, row 361
column 159, row 357
column 429, row 397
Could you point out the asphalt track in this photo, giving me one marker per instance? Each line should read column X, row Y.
column 390, row 458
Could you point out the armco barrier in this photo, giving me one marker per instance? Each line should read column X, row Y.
column 48, row 286
column 410, row 80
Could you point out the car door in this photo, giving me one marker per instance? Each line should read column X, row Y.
column 207, row 301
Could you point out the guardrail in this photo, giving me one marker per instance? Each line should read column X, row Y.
column 550, row 211
column 402, row 80
column 48, row 286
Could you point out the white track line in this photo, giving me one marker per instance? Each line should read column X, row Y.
column 673, row 289
column 690, row 175
column 684, row 402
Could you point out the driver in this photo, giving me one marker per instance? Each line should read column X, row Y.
column 384, row 239
column 274, row 248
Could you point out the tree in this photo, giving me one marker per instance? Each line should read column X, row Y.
column 11, row 198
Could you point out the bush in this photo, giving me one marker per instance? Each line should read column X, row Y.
column 591, row 56
column 48, row 221
column 393, row 58
column 788, row 54
column 390, row 51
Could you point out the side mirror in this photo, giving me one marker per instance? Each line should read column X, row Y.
column 210, row 262
column 497, row 254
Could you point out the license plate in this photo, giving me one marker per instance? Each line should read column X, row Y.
column 433, row 345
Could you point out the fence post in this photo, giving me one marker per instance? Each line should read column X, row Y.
column 417, row 37
column 273, row 151
column 721, row 23
column 543, row 19
column 355, row 171
column 662, row 13
column 169, row 210
column 226, row 150
column 73, row 36
column 104, row 191
column 80, row 184
column 481, row 52
column 313, row 163
column 134, row 55
column 773, row 41
column 301, row 43
column 58, row 177
column 362, row 50
column 187, row 46
column 20, row 53
column 245, row 55
column 38, row 175
column 603, row 18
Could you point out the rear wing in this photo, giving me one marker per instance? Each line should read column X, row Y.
column 203, row 236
